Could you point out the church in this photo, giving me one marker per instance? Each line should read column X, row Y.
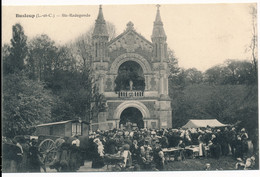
column 132, row 74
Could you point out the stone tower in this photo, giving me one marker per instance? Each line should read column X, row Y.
column 141, row 68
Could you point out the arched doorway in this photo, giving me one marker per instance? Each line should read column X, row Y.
column 132, row 115
column 130, row 76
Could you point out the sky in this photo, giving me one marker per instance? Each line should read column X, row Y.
column 201, row 35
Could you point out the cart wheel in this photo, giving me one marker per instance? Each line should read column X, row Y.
column 48, row 150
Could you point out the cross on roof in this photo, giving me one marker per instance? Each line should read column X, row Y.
column 158, row 6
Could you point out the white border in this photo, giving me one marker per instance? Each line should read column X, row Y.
column 127, row 174
column 92, row 2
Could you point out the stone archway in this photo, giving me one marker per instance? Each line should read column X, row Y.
column 131, row 117
column 136, row 104
column 130, row 57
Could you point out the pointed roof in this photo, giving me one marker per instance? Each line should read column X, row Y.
column 100, row 25
column 130, row 29
column 158, row 30
column 198, row 123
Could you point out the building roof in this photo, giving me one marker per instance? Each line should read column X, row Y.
column 192, row 123
column 158, row 30
column 130, row 29
column 59, row 123
column 100, row 25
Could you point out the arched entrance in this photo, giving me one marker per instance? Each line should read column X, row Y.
column 132, row 115
column 130, row 76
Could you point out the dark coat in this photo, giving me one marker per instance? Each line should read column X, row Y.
column 34, row 159
column 97, row 161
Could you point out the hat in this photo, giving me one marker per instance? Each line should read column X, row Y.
column 96, row 140
column 239, row 159
column 156, row 141
column 243, row 130
column 74, row 143
column 120, row 133
column 126, row 147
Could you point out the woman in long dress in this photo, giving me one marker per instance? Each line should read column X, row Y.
column 98, row 154
column 201, row 145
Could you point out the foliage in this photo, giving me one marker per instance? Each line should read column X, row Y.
column 25, row 103
column 224, row 102
column 253, row 48
column 190, row 103
column 17, row 52
column 231, row 72
column 41, row 58
column 227, row 92
column 193, row 76
column 82, row 46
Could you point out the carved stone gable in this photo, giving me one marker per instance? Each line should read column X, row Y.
column 130, row 40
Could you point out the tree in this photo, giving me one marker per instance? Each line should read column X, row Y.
column 25, row 104
column 17, row 51
column 254, row 45
column 193, row 76
column 41, row 59
column 174, row 69
column 82, row 46
column 214, row 75
column 234, row 72
column 6, row 59
column 91, row 101
column 64, row 60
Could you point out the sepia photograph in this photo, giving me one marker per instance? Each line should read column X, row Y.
column 134, row 87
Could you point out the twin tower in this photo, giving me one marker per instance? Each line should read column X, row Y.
column 132, row 74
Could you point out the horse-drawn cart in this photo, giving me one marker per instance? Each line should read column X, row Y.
column 52, row 135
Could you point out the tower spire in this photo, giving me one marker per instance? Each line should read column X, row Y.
column 100, row 25
column 158, row 30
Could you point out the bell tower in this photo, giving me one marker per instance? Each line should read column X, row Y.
column 160, row 56
column 99, row 53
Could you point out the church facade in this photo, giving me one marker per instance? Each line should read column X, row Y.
column 132, row 74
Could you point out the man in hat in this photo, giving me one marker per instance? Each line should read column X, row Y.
column 244, row 138
column 158, row 156
column 135, row 151
column 239, row 147
column 232, row 140
column 111, row 145
column 34, row 157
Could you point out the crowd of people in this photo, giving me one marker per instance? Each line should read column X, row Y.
column 147, row 146
column 132, row 149
column 21, row 155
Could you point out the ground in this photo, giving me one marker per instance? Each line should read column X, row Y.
column 197, row 164
column 223, row 163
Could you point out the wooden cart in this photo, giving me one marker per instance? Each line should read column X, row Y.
column 49, row 136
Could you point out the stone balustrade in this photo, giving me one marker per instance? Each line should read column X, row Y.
column 129, row 94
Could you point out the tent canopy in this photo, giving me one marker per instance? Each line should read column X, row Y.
column 192, row 123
